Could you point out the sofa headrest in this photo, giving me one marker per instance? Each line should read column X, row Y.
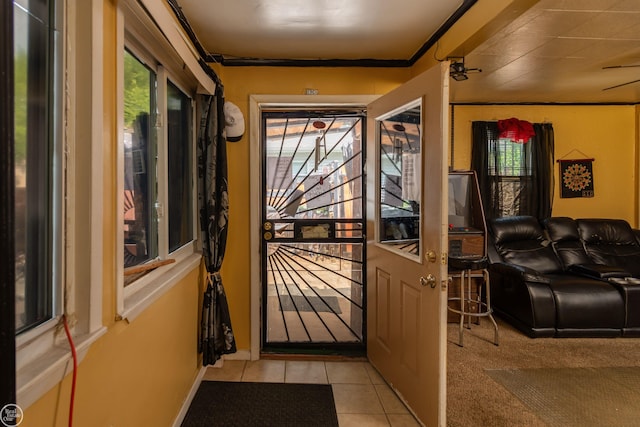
column 561, row 229
column 606, row 232
column 515, row 228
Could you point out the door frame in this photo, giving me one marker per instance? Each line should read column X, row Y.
column 256, row 104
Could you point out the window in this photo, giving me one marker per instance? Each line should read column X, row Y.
column 179, row 146
column 58, row 186
column 515, row 178
column 511, row 158
column 510, row 165
column 140, row 222
column 36, row 174
column 158, row 182
column 142, row 206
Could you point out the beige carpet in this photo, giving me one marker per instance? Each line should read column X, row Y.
column 568, row 397
column 474, row 398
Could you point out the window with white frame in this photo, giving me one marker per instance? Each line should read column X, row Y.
column 157, row 223
column 157, row 170
column 140, row 146
column 142, row 206
column 57, row 245
column 37, row 172
column 179, row 168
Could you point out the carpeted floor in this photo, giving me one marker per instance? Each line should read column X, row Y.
column 474, row 398
column 577, row 397
column 247, row 404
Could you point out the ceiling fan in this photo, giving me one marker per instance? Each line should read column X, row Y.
column 621, row 66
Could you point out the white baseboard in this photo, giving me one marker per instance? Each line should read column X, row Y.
column 187, row 401
column 238, row 355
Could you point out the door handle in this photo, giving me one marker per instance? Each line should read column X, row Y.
column 429, row 280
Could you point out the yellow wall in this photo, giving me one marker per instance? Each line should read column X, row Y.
column 605, row 133
column 136, row 375
column 239, row 84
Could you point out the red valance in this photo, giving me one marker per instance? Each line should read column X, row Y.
column 519, row 131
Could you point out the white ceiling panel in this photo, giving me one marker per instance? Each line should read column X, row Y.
column 554, row 52
column 310, row 29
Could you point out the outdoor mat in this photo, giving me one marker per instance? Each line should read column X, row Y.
column 244, row 404
column 577, row 396
column 290, row 303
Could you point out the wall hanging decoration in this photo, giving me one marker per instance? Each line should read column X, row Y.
column 576, row 176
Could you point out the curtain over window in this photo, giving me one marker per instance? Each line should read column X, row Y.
column 515, row 178
column 216, row 334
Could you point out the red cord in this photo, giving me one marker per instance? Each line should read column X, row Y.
column 75, row 369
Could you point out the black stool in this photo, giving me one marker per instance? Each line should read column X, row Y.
column 465, row 265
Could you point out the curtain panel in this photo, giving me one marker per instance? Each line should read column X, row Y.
column 216, row 334
column 508, row 186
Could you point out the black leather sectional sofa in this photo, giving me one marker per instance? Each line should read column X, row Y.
column 566, row 277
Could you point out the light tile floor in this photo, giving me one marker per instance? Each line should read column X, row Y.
column 362, row 397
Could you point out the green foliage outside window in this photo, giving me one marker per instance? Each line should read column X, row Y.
column 511, row 157
column 20, row 110
column 136, row 89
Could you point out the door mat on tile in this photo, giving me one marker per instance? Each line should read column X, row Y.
column 576, row 396
column 245, row 404
column 310, row 303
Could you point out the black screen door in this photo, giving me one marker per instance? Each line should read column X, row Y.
column 313, row 243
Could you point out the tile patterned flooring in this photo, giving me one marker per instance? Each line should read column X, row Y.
column 362, row 397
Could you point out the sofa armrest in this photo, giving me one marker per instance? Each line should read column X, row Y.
column 523, row 295
column 599, row 271
column 519, row 272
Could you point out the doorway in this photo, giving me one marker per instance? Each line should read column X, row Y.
column 313, row 259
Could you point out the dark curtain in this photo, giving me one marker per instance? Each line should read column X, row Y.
column 524, row 190
column 216, row 334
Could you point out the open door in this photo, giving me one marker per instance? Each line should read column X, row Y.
column 407, row 132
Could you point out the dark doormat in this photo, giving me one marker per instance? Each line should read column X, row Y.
column 320, row 304
column 243, row 404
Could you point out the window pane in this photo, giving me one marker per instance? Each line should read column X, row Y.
column 400, row 145
column 313, row 165
column 179, row 166
column 140, row 223
column 33, row 159
column 511, row 157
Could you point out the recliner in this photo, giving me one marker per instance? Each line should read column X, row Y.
column 606, row 249
column 535, row 289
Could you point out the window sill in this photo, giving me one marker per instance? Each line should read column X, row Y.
column 43, row 373
column 167, row 277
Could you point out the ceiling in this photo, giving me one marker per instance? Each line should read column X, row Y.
column 553, row 52
column 237, row 31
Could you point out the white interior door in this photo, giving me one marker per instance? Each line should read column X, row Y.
column 407, row 132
